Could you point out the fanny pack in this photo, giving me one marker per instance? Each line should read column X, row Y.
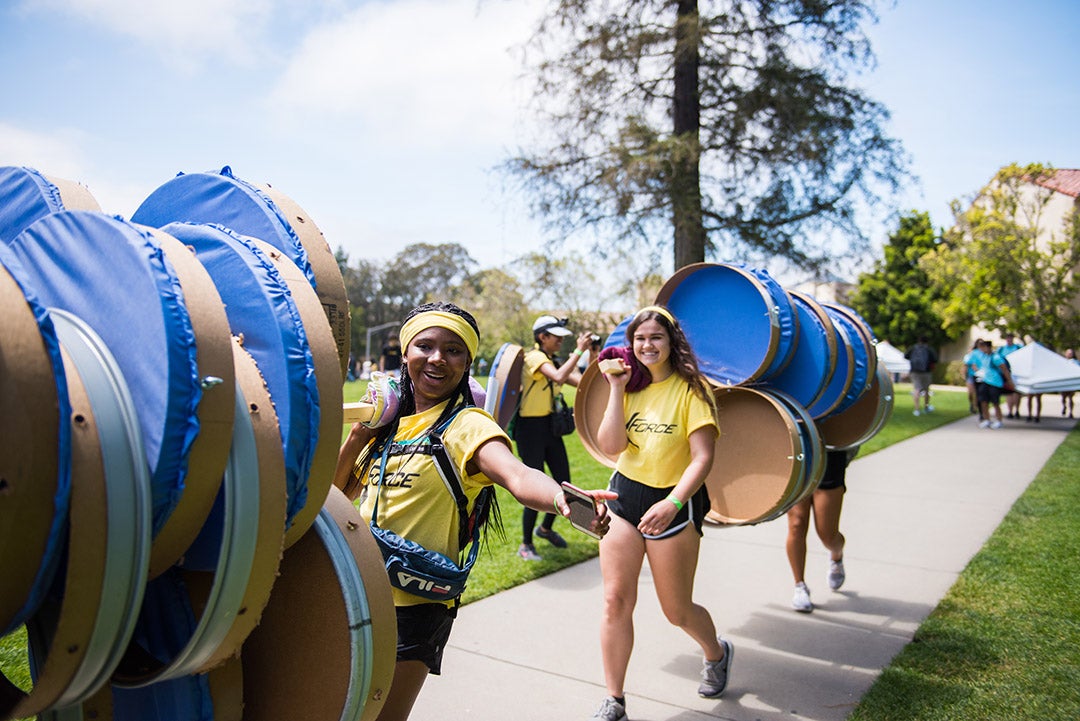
column 411, row 567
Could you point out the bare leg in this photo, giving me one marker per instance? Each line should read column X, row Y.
column 827, row 507
column 798, row 517
column 673, row 562
column 621, row 553
column 409, row 677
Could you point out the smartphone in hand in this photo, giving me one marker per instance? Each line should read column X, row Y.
column 582, row 509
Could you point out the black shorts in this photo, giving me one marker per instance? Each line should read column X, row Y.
column 836, row 463
column 636, row 498
column 987, row 393
column 423, row 631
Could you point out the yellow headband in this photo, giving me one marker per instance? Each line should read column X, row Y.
column 438, row 319
column 659, row 311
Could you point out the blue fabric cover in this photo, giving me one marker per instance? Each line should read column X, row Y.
column 812, row 365
column 786, row 320
column 26, row 195
column 261, row 309
column 165, row 626
column 222, row 199
column 618, row 336
column 725, row 313
column 840, row 383
column 860, row 374
column 62, row 495
column 180, row 699
column 114, row 276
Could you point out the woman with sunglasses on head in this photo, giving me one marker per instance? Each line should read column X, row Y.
column 537, row 444
column 664, row 436
column 439, row 341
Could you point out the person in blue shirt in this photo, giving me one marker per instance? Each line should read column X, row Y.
column 991, row 377
column 1012, row 400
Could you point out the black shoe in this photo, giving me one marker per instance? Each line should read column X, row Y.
column 551, row 536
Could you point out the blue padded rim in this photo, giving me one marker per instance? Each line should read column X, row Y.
column 812, row 363
column 222, row 199
column 618, row 337
column 866, row 333
column 62, row 495
column 27, row 195
column 114, row 276
column 786, row 319
column 860, row 378
column 840, row 383
column 726, row 314
column 261, row 309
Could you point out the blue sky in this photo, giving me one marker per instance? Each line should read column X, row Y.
column 384, row 119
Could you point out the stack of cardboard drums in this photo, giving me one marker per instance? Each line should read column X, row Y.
column 171, row 411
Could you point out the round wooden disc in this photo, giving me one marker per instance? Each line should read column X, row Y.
column 758, row 464
column 864, row 418
column 29, row 449
column 504, row 384
column 589, row 405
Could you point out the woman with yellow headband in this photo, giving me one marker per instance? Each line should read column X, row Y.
column 664, row 436
column 439, row 341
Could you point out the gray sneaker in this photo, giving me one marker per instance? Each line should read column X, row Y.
column 714, row 675
column 610, row 710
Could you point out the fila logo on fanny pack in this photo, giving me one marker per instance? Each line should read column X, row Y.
column 423, row 584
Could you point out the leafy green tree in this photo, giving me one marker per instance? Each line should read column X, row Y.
column 494, row 297
column 725, row 128
column 1008, row 264
column 421, row 273
column 896, row 297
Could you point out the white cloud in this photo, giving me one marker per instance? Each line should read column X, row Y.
column 413, row 71
column 188, row 34
column 57, row 155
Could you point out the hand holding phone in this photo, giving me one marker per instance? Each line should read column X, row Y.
column 582, row 509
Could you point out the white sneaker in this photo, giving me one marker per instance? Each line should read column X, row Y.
column 801, row 600
column 995, row 425
column 915, row 412
column 836, row 574
column 985, row 424
column 929, row 409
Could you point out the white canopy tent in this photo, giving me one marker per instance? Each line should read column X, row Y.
column 1037, row 369
column 892, row 358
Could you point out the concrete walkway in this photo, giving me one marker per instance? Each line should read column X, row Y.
column 914, row 515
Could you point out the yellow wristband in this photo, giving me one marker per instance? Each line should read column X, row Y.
column 678, row 504
column 578, row 352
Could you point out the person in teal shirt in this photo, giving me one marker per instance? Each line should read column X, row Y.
column 1012, row 400
column 991, row 376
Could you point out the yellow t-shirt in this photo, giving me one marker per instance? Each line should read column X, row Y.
column 536, row 397
column 415, row 502
column 659, row 421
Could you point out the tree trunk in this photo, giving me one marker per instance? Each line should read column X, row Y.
column 686, row 117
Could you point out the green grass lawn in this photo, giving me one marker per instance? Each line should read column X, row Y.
column 1001, row 645
column 1004, row 643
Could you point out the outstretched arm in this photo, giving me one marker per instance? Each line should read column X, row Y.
column 531, row 487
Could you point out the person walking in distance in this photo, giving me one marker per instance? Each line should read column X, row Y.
column 664, row 436
column 1012, row 398
column 923, row 360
